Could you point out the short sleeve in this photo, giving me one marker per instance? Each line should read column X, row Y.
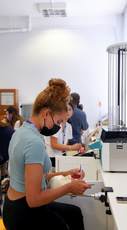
column 17, row 125
column 35, row 152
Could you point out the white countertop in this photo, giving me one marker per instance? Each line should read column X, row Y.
column 118, row 181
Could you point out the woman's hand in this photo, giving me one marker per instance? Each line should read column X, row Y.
column 78, row 187
column 75, row 173
column 76, row 146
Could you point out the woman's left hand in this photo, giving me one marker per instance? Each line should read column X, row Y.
column 75, row 173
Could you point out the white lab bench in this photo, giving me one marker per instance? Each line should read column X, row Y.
column 118, row 181
column 93, row 210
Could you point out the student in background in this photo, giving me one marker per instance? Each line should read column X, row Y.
column 6, row 132
column 78, row 120
column 13, row 118
column 58, row 143
column 84, row 133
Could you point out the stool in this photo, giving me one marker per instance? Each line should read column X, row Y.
column 2, row 225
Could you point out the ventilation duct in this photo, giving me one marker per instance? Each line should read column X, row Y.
column 53, row 10
column 15, row 24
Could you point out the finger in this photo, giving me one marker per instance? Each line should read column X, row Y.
column 77, row 169
column 82, row 174
column 78, row 147
column 85, row 184
column 76, row 175
column 88, row 185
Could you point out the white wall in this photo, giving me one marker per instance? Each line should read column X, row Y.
column 125, row 25
column 29, row 60
column 119, row 28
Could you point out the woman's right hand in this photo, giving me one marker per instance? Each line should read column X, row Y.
column 78, row 187
column 76, row 146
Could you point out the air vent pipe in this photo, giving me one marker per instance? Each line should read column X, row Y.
column 12, row 30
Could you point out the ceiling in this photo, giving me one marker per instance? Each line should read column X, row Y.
column 75, row 8
column 24, row 15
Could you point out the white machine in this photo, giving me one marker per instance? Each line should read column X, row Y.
column 114, row 137
column 113, row 150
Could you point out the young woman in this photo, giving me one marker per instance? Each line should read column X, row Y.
column 58, row 143
column 13, row 118
column 28, row 204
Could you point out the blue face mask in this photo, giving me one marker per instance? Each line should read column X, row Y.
column 49, row 132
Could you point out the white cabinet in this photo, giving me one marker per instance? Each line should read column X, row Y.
column 92, row 210
column 89, row 165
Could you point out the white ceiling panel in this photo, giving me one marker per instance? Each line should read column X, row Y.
column 75, row 8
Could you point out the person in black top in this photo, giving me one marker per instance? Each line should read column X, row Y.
column 6, row 132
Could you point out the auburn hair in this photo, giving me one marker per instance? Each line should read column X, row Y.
column 55, row 97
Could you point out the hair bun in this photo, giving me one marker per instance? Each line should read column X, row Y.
column 56, row 82
column 56, row 97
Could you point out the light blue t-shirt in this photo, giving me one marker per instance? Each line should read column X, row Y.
column 27, row 146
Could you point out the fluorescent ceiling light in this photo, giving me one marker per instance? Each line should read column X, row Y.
column 53, row 10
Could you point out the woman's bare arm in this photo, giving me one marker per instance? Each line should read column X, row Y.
column 55, row 145
column 36, row 197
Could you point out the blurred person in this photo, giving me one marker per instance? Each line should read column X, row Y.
column 58, row 143
column 13, row 118
column 78, row 119
column 84, row 133
column 80, row 106
column 6, row 132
